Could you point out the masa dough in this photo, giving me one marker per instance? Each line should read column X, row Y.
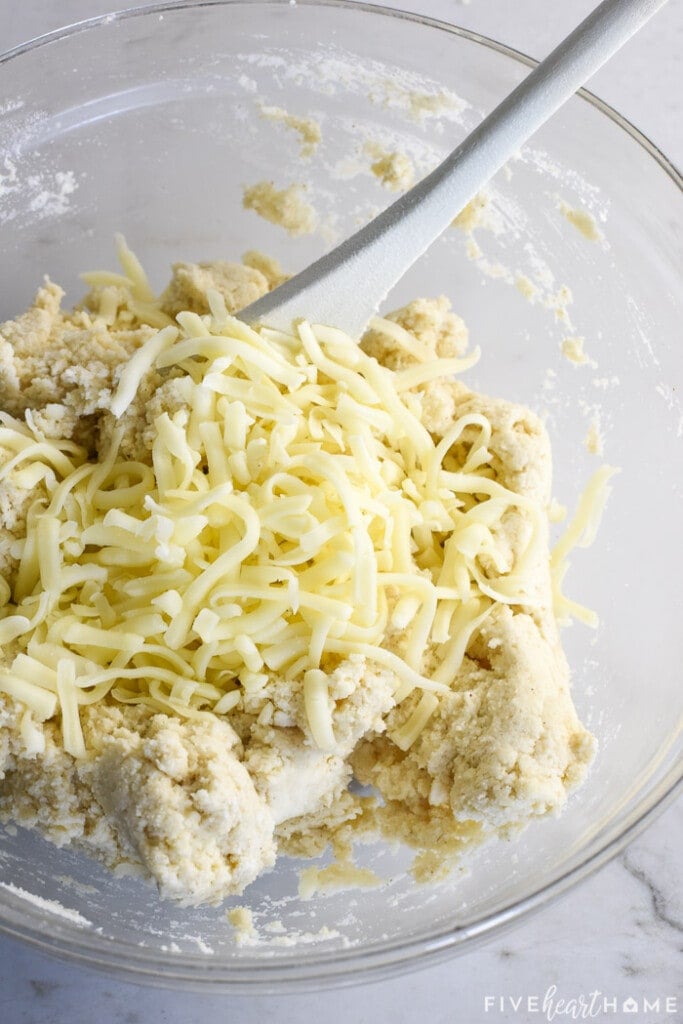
column 203, row 805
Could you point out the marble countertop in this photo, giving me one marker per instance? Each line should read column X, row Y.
column 616, row 937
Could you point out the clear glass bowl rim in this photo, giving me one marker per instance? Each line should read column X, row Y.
column 356, row 965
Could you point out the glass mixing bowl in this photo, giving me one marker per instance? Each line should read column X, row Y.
column 149, row 122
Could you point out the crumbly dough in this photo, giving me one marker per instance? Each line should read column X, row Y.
column 203, row 807
column 392, row 169
column 594, row 440
column 306, row 128
column 504, row 746
column 242, row 920
column 526, row 287
column 476, row 214
column 286, row 207
column 583, row 221
column 573, row 350
column 239, row 283
column 335, row 877
column 266, row 265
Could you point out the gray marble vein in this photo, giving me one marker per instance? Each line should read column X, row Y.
column 661, row 900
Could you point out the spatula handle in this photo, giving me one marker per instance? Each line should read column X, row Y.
column 345, row 287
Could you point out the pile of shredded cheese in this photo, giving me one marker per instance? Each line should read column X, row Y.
column 295, row 510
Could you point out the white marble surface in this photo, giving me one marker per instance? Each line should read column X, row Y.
column 620, row 933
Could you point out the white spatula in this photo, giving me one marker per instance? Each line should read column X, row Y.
column 346, row 286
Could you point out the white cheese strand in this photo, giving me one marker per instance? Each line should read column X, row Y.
column 72, row 734
column 295, row 506
column 317, row 704
column 580, row 533
column 411, row 729
column 137, row 366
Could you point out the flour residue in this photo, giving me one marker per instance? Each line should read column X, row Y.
column 274, row 933
column 43, row 195
column 9, row 178
column 31, row 186
column 48, row 906
column 330, row 70
column 51, row 197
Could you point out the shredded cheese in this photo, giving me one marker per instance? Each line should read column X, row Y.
column 580, row 533
column 411, row 729
column 317, row 702
column 296, row 510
